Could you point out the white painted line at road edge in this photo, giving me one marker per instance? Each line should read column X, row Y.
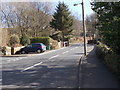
column 54, row 56
column 31, row 67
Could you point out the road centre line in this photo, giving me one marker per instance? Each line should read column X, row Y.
column 53, row 57
column 76, row 47
column 51, row 51
column 72, row 49
column 65, row 52
column 31, row 67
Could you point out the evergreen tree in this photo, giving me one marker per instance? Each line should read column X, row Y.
column 108, row 16
column 62, row 20
column 24, row 40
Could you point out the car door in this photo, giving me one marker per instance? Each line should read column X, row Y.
column 29, row 48
column 34, row 47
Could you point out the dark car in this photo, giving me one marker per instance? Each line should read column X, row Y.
column 35, row 47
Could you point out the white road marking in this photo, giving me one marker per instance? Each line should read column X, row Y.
column 72, row 49
column 65, row 52
column 31, row 67
column 76, row 47
column 15, row 59
column 52, row 60
column 51, row 51
column 53, row 56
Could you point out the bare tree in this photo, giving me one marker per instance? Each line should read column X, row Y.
column 90, row 25
column 26, row 17
column 77, row 27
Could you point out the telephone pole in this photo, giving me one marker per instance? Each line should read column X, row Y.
column 84, row 28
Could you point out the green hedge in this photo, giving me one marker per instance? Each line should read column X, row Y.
column 44, row 40
column 109, row 58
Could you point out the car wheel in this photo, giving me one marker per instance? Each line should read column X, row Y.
column 39, row 51
column 22, row 52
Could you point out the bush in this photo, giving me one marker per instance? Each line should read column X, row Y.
column 111, row 61
column 109, row 58
column 53, row 44
column 14, row 39
column 24, row 40
column 44, row 40
column 100, row 52
column 92, row 42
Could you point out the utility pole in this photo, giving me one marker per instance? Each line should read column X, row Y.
column 84, row 28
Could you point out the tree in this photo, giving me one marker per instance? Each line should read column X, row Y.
column 62, row 20
column 14, row 39
column 31, row 18
column 77, row 27
column 24, row 40
column 90, row 25
column 108, row 23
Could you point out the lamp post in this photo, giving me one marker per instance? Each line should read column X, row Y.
column 84, row 28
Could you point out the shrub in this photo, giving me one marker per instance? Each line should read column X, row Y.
column 53, row 44
column 92, row 42
column 100, row 52
column 14, row 39
column 24, row 40
column 44, row 40
column 109, row 58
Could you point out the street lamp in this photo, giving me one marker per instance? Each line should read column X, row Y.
column 84, row 28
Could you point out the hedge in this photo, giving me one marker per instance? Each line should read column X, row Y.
column 44, row 40
column 111, row 59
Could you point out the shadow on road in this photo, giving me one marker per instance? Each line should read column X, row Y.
column 43, row 76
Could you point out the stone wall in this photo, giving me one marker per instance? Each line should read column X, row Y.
column 3, row 37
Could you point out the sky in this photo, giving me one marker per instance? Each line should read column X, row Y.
column 77, row 10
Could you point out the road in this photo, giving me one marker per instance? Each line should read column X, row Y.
column 53, row 69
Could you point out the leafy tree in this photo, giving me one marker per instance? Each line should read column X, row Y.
column 62, row 20
column 108, row 23
column 24, row 40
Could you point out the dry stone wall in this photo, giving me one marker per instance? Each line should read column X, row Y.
column 3, row 37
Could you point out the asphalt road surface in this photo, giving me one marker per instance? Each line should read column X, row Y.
column 53, row 69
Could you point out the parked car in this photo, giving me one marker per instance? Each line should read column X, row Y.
column 35, row 47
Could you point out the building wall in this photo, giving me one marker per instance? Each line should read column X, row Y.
column 3, row 37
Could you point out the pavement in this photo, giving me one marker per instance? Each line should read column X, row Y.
column 94, row 74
